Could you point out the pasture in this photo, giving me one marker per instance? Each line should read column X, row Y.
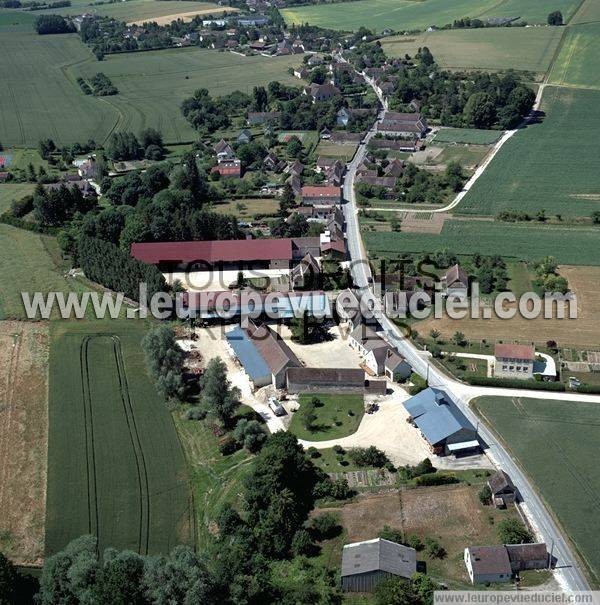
column 137, row 10
column 513, row 241
column 23, row 439
column 551, row 165
column 523, row 49
column 406, row 15
column 40, row 97
column 569, row 432
column 467, row 136
column 116, row 468
column 13, row 191
column 580, row 332
column 29, row 262
column 578, row 64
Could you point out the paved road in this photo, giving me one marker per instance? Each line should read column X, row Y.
column 569, row 572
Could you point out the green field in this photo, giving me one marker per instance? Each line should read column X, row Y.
column 551, row 166
column 578, row 63
column 135, row 10
column 407, row 15
column 339, row 416
column 467, row 136
column 556, row 444
column 116, row 468
column 13, row 191
column 40, row 97
column 518, row 241
column 520, row 48
column 29, row 262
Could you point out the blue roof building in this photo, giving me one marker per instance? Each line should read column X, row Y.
column 443, row 425
column 246, row 352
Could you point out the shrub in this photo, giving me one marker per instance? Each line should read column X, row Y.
column 436, row 479
column 434, row 549
column 313, row 453
column 338, row 449
column 485, row 495
column 325, row 526
column 512, row 531
column 392, row 534
column 415, row 542
column 228, row 446
column 196, row 413
column 370, row 456
column 507, row 383
column 302, row 543
column 20, row 208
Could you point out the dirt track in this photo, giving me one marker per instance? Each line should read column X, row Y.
column 23, row 439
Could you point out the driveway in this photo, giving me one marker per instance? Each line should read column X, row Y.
column 389, row 430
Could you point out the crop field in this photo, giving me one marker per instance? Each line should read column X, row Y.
column 578, row 62
column 23, row 439
column 524, row 49
column 514, row 241
column 569, row 431
column 469, row 136
column 136, row 10
column 116, row 468
column 551, row 165
column 580, row 332
column 406, row 15
column 589, row 12
column 40, row 96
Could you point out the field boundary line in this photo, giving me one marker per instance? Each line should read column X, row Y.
column 11, row 380
column 90, row 455
column 140, row 461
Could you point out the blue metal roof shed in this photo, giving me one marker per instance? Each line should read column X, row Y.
column 248, row 355
column 439, row 419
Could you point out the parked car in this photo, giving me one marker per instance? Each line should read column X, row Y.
column 276, row 407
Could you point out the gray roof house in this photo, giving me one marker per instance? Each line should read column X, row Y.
column 396, row 367
column 487, row 564
column 245, row 136
column 503, row 489
column 441, row 423
column 365, row 564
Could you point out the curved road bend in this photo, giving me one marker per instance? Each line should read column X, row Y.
column 568, row 572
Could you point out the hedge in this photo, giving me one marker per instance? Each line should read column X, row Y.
column 508, row 383
column 435, row 479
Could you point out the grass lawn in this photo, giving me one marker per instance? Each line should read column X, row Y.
column 13, row 191
column 570, row 484
column 519, row 278
column 254, row 207
column 332, row 150
column 533, row 171
column 406, row 15
column 513, row 241
column 116, row 468
column 339, row 416
column 215, row 479
column 523, row 49
column 471, row 136
column 578, row 63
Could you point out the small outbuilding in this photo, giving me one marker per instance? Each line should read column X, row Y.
column 365, row 564
column 503, row 490
column 488, row 564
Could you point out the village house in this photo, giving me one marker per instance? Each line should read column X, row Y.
column 514, row 361
column 262, row 353
column 261, row 117
column 228, row 169
column 487, row 564
column 396, row 368
column 321, row 195
column 394, row 169
column 336, row 380
column 503, row 490
column 372, row 348
column 321, row 92
column 345, row 113
column 365, row 564
column 408, row 145
column 224, row 151
column 245, row 136
column 306, row 274
column 301, row 72
column 295, row 168
column 399, row 124
column 442, row 424
column 272, row 163
column 455, row 282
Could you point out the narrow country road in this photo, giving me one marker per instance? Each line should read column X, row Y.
column 568, row 572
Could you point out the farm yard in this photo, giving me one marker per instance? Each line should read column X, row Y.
column 523, row 49
column 452, row 514
column 405, row 15
column 40, row 97
column 569, row 432
column 524, row 175
column 517, row 241
column 137, row 10
column 583, row 331
column 116, row 468
column 23, row 439
column 577, row 62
